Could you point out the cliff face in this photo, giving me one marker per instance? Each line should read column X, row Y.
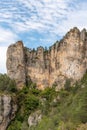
column 7, row 111
column 16, row 63
column 66, row 59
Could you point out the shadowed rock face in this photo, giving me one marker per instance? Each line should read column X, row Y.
column 65, row 59
column 7, row 111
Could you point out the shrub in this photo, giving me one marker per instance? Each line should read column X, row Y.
column 15, row 125
column 6, row 84
column 48, row 93
column 31, row 103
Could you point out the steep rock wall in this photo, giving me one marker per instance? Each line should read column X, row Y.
column 65, row 59
column 16, row 63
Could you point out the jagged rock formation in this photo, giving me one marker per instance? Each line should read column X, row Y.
column 7, row 111
column 65, row 59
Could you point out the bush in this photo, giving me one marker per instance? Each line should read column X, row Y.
column 30, row 103
column 15, row 125
column 6, row 84
column 48, row 93
column 66, row 126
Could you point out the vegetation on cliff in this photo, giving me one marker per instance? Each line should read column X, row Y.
column 62, row 110
column 7, row 85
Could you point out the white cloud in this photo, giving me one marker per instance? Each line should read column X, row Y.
column 3, row 59
column 7, row 37
column 25, row 15
column 43, row 15
column 46, row 14
column 77, row 18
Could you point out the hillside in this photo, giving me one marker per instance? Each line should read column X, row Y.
column 46, row 89
column 45, row 110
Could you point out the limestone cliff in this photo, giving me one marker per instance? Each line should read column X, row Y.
column 16, row 63
column 65, row 59
column 7, row 110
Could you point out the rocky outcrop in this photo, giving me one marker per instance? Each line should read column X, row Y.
column 34, row 118
column 16, row 63
column 66, row 59
column 7, row 111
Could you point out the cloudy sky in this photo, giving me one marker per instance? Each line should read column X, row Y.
column 38, row 22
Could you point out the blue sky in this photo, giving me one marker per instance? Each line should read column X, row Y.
column 38, row 22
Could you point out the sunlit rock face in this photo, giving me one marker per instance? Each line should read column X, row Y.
column 16, row 63
column 66, row 59
column 8, row 109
